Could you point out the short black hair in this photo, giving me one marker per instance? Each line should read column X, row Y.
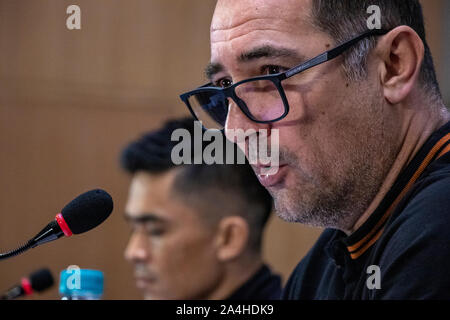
column 344, row 19
column 212, row 188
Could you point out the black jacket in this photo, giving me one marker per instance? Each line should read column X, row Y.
column 401, row 252
column 263, row 285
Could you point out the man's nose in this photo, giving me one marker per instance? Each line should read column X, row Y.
column 240, row 129
column 138, row 248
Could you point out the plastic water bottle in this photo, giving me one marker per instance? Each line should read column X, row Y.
column 80, row 284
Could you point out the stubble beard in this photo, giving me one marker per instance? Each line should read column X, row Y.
column 342, row 182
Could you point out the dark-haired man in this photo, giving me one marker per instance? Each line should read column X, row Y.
column 196, row 229
column 363, row 137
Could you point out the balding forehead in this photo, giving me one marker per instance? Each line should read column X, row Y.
column 233, row 13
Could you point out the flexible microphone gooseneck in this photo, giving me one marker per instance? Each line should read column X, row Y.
column 38, row 281
column 82, row 214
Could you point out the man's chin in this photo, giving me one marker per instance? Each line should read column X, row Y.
column 153, row 296
column 284, row 207
column 294, row 208
column 160, row 294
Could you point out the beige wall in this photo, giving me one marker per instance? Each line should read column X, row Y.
column 70, row 100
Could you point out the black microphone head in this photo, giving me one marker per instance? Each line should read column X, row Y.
column 41, row 279
column 87, row 211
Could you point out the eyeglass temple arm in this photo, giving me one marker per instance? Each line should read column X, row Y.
column 308, row 64
column 333, row 53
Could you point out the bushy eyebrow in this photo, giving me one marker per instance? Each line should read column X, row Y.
column 143, row 218
column 212, row 69
column 265, row 51
column 268, row 52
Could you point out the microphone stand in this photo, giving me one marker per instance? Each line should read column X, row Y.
column 51, row 232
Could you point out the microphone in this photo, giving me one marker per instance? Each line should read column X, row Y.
column 82, row 214
column 38, row 281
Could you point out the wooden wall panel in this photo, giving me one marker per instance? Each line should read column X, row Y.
column 69, row 101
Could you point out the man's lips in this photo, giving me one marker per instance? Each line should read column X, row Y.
column 142, row 282
column 270, row 180
column 143, row 278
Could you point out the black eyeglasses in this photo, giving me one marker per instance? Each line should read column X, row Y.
column 262, row 99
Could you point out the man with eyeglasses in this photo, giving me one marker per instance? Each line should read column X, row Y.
column 364, row 137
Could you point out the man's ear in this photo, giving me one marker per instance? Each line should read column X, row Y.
column 401, row 53
column 231, row 238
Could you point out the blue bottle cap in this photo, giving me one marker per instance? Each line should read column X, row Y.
column 80, row 282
